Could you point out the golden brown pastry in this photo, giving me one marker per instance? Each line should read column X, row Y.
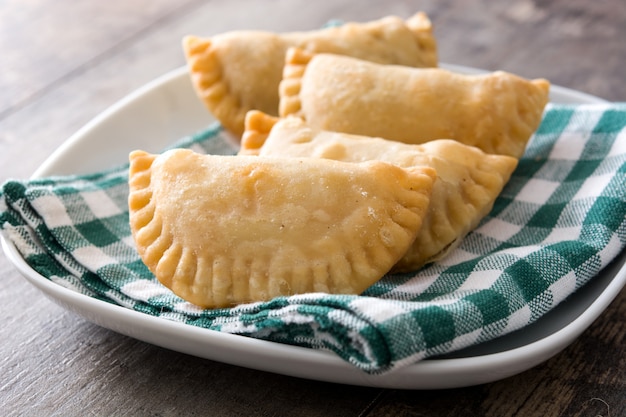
column 223, row 230
column 239, row 71
column 468, row 180
column 497, row 112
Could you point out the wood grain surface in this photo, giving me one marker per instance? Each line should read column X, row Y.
column 62, row 62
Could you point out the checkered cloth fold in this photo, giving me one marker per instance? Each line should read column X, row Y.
column 559, row 221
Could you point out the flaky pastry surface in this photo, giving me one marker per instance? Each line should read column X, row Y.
column 224, row 230
column 497, row 112
column 468, row 179
column 239, row 71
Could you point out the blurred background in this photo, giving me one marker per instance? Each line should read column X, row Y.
column 67, row 54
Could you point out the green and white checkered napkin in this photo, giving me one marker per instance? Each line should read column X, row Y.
column 559, row 221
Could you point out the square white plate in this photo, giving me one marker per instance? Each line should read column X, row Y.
column 166, row 110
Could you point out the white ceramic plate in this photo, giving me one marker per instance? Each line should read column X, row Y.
column 166, row 110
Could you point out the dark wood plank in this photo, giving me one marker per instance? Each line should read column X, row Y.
column 45, row 42
column 575, row 44
column 109, row 374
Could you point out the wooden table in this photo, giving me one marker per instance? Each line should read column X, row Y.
column 65, row 61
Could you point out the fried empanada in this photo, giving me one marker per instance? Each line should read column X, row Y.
column 468, row 180
column 497, row 112
column 239, row 71
column 224, row 230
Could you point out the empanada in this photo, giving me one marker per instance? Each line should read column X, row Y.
column 223, row 230
column 468, row 180
column 239, row 71
column 497, row 112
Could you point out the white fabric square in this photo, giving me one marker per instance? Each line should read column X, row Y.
column 560, row 234
column 142, row 289
column 92, row 257
column 128, row 241
column 377, row 309
column 464, row 340
column 537, row 191
column 563, row 287
column 521, row 251
column 610, row 250
column 479, row 280
column 54, row 211
column 593, row 186
column 569, row 146
column 499, row 229
column 100, row 204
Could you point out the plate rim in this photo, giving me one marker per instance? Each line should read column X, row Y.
column 432, row 373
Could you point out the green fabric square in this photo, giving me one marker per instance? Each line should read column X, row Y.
column 583, row 170
column 604, row 211
column 547, row 215
column 612, row 122
column 96, row 233
column 492, row 304
column 574, row 252
column 528, row 279
column 437, row 325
